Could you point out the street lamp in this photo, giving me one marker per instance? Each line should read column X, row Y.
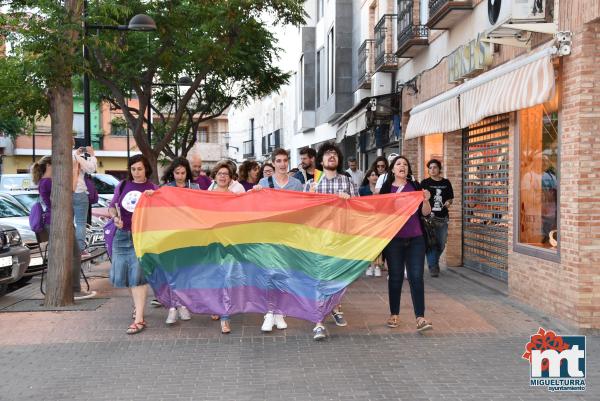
column 139, row 22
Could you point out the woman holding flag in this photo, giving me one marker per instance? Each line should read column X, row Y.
column 407, row 248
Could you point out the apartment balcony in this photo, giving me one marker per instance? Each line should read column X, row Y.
column 385, row 59
column 412, row 40
column 248, row 149
column 444, row 14
column 366, row 64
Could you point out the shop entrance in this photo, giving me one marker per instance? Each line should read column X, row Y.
column 485, row 196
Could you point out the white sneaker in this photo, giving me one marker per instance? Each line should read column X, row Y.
column 405, row 274
column 172, row 316
column 184, row 313
column 377, row 271
column 280, row 322
column 370, row 271
column 268, row 323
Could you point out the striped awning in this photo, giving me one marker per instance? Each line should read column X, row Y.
column 354, row 125
column 515, row 85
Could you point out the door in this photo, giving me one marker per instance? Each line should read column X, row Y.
column 485, row 196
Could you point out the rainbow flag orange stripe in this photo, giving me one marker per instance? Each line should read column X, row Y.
column 270, row 250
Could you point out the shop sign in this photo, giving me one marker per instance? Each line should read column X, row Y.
column 469, row 60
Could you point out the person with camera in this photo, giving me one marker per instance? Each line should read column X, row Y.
column 84, row 162
column 41, row 173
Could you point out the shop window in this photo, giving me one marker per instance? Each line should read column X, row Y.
column 433, row 148
column 538, row 175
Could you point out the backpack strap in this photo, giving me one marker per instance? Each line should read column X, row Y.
column 271, row 183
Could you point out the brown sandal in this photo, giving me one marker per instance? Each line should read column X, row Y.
column 215, row 317
column 135, row 328
column 393, row 321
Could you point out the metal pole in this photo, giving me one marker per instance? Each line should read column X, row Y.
column 33, row 154
column 176, row 133
column 150, row 118
column 87, row 124
column 127, row 144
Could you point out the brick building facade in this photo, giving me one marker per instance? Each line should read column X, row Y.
column 562, row 277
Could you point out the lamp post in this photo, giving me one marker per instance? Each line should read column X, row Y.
column 139, row 22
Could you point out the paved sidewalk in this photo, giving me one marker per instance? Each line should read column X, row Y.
column 473, row 353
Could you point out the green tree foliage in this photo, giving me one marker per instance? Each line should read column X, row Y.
column 224, row 46
column 43, row 41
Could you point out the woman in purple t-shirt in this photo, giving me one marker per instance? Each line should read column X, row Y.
column 407, row 248
column 125, row 271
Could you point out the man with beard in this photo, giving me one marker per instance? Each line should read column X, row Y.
column 332, row 181
column 308, row 165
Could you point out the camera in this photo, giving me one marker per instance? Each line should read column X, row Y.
column 83, row 153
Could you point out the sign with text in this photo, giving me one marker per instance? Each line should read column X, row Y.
column 469, row 60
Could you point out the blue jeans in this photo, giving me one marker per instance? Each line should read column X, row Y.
column 409, row 253
column 441, row 234
column 81, row 205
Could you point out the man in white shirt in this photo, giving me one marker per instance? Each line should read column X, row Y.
column 355, row 173
column 84, row 162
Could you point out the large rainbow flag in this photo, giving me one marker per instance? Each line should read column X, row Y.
column 271, row 250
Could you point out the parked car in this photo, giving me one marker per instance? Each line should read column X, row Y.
column 27, row 198
column 14, row 257
column 13, row 183
column 14, row 214
column 16, row 182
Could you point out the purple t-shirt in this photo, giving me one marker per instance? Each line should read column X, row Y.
column 45, row 188
column 203, row 181
column 412, row 228
column 247, row 185
column 128, row 199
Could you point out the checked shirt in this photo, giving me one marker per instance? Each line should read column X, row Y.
column 340, row 183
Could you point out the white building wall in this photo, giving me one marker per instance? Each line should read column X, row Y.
column 262, row 109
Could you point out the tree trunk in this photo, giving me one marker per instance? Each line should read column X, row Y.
column 59, row 290
column 153, row 160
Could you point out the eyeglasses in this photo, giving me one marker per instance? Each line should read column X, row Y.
column 381, row 166
column 222, row 174
column 331, row 153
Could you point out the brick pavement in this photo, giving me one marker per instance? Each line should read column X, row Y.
column 473, row 353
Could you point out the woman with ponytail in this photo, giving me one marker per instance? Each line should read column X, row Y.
column 407, row 248
column 41, row 172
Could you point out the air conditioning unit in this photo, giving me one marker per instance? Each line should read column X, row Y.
column 515, row 18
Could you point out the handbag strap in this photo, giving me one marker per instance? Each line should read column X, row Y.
column 271, row 183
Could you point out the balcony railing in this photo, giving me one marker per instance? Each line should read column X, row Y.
column 248, row 149
column 385, row 59
column 444, row 14
column 412, row 39
column 365, row 64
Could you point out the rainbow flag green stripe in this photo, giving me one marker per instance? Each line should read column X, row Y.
column 267, row 260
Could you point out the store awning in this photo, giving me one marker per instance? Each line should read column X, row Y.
column 353, row 126
column 516, row 85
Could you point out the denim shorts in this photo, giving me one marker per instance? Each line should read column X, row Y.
column 125, row 271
